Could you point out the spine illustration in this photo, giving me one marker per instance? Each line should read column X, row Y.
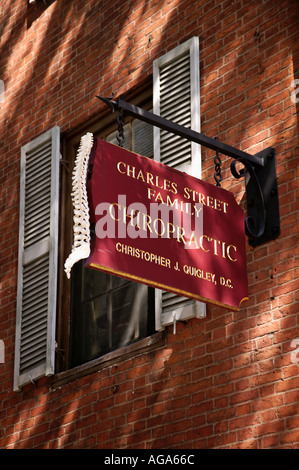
column 81, row 244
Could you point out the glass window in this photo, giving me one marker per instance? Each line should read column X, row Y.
column 108, row 312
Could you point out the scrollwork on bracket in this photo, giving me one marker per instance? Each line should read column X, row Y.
column 254, row 228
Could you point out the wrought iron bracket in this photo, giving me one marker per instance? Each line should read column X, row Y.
column 262, row 223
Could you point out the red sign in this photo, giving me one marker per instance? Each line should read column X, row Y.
column 164, row 228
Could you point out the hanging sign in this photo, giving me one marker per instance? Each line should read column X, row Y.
column 159, row 226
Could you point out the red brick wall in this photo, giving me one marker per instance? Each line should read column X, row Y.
column 229, row 380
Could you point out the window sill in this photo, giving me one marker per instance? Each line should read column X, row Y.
column 114, row 357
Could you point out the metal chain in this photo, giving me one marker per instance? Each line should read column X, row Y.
column 218, row 163
column 120, row 134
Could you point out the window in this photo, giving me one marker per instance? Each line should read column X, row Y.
column 95, row 313
column 99, row 312
column 108, row 312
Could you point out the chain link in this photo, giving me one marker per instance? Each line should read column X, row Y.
column 218, row 163
column 120, row 134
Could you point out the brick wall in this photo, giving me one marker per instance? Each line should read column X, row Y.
column 229, row 380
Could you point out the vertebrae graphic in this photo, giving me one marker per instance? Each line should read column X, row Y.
column 81, row 245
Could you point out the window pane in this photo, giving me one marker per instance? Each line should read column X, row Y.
column 89, row 320
column 129, row 314
column 116, row 316
column 95, row 324
column 143, row 138
column 117, row 281
column 94, row 283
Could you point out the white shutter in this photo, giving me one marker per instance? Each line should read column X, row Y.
column 37, row 265
column 177, row 98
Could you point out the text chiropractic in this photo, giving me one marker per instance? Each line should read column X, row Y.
column 133, row 221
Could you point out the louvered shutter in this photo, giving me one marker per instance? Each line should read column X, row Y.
column 37, row 265
column 177, row 98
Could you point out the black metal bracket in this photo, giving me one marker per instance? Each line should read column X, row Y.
column 262, row 223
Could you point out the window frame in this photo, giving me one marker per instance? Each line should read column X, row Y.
column 179, row 308
column 104, row 122
column 101, row 125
